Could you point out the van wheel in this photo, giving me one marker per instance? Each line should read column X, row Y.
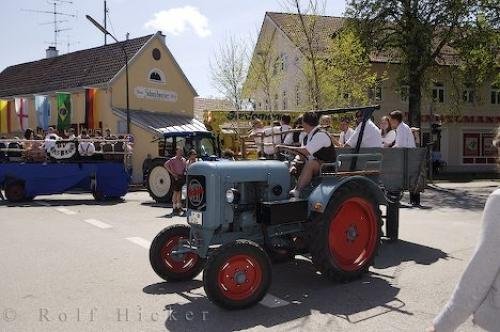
column 170, row 266
column 15, row 192
column 345, row 238
column 237, row 275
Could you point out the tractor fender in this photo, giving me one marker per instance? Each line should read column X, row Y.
column 321, row 195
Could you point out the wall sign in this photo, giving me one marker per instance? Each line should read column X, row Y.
column 155, row 94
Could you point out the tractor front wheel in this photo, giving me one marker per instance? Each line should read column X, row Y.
column 237, row 275
column 345, row 238
column 169, row 265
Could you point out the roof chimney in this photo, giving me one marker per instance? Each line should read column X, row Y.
column 162, row 36
column 51, row 52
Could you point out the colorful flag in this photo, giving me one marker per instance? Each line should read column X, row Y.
column 63, row 111
column 42, row 107
column 4, row 116
column 90, row 119
column 21, row 105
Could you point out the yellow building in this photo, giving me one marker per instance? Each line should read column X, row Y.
column 160, row 94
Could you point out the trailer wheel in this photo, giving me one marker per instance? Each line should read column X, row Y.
column 169, row 266
column 159, row 183
column 345, row 238
column 15, row 192
column 237, row 275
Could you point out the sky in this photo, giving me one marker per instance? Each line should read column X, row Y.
column 193, row 28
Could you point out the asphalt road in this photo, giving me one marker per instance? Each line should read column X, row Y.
column 69, row 264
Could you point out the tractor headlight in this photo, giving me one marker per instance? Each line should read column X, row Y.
column 232, row 196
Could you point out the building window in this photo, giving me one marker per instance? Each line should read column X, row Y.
column 259, row 105
column 404, row 93
column 478, row 148
column 438, row 93
column 266, row 104
column 285, row 101
column 280, row 64
column 468, row 96
column 157, row 76
column 276, row 103
column 495, row 95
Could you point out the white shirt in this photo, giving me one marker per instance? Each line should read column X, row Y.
column 404, row 137
column 272, row 140
column 258, row 138
column 317, row 141
column 86, row 149
column 345, row 135
column 371, row 136
column 389, row 138
column 287, row 138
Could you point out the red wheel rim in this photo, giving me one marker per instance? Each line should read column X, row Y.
column 352, row 235
column 175, row 262
column 240, row 277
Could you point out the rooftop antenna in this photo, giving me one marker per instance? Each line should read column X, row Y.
column 70, row 43
column 56, row 14
column 106, row 11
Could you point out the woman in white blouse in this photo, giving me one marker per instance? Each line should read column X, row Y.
column 478, row 291
column 388, row 134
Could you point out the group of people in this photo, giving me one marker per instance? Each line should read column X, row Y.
column 37, row 146
column 310, row 138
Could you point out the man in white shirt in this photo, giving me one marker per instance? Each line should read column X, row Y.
column 404, row 135
column 317, row 147
column 286, row 138
column 371, row 135
column 346, row 131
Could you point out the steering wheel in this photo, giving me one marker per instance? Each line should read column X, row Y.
column 287, row 156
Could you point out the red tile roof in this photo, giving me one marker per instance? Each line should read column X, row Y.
column 73, row 70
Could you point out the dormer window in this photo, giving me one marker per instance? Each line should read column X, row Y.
column 157, row 76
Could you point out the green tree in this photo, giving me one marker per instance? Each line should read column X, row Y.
column 417, row 34
column 346, row 75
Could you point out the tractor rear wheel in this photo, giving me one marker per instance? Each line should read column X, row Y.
column 171, row 266
column 345, row 238
column 15, row 192
column 159, row 183
column 237, row 275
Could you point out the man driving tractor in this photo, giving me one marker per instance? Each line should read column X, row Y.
column 317, row 148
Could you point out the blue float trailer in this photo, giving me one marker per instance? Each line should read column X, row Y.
column 104, row 174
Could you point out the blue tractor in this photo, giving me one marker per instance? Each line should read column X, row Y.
column 240, row 219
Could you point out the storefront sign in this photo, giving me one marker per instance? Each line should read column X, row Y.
column 155, row 94
column 464, row 119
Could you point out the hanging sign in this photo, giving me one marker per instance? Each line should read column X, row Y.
column 59, row 150
column 155, row 94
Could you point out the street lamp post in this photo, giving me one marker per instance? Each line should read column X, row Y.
column 106, row 32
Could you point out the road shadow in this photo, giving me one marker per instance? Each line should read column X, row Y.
column 305, row 291
column 157, row 205
column 163, row 288
column 62, row 202
column 393, row 254
column 458, row 198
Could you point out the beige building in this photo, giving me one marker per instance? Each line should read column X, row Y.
column 161, row 96
column 466, row 140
